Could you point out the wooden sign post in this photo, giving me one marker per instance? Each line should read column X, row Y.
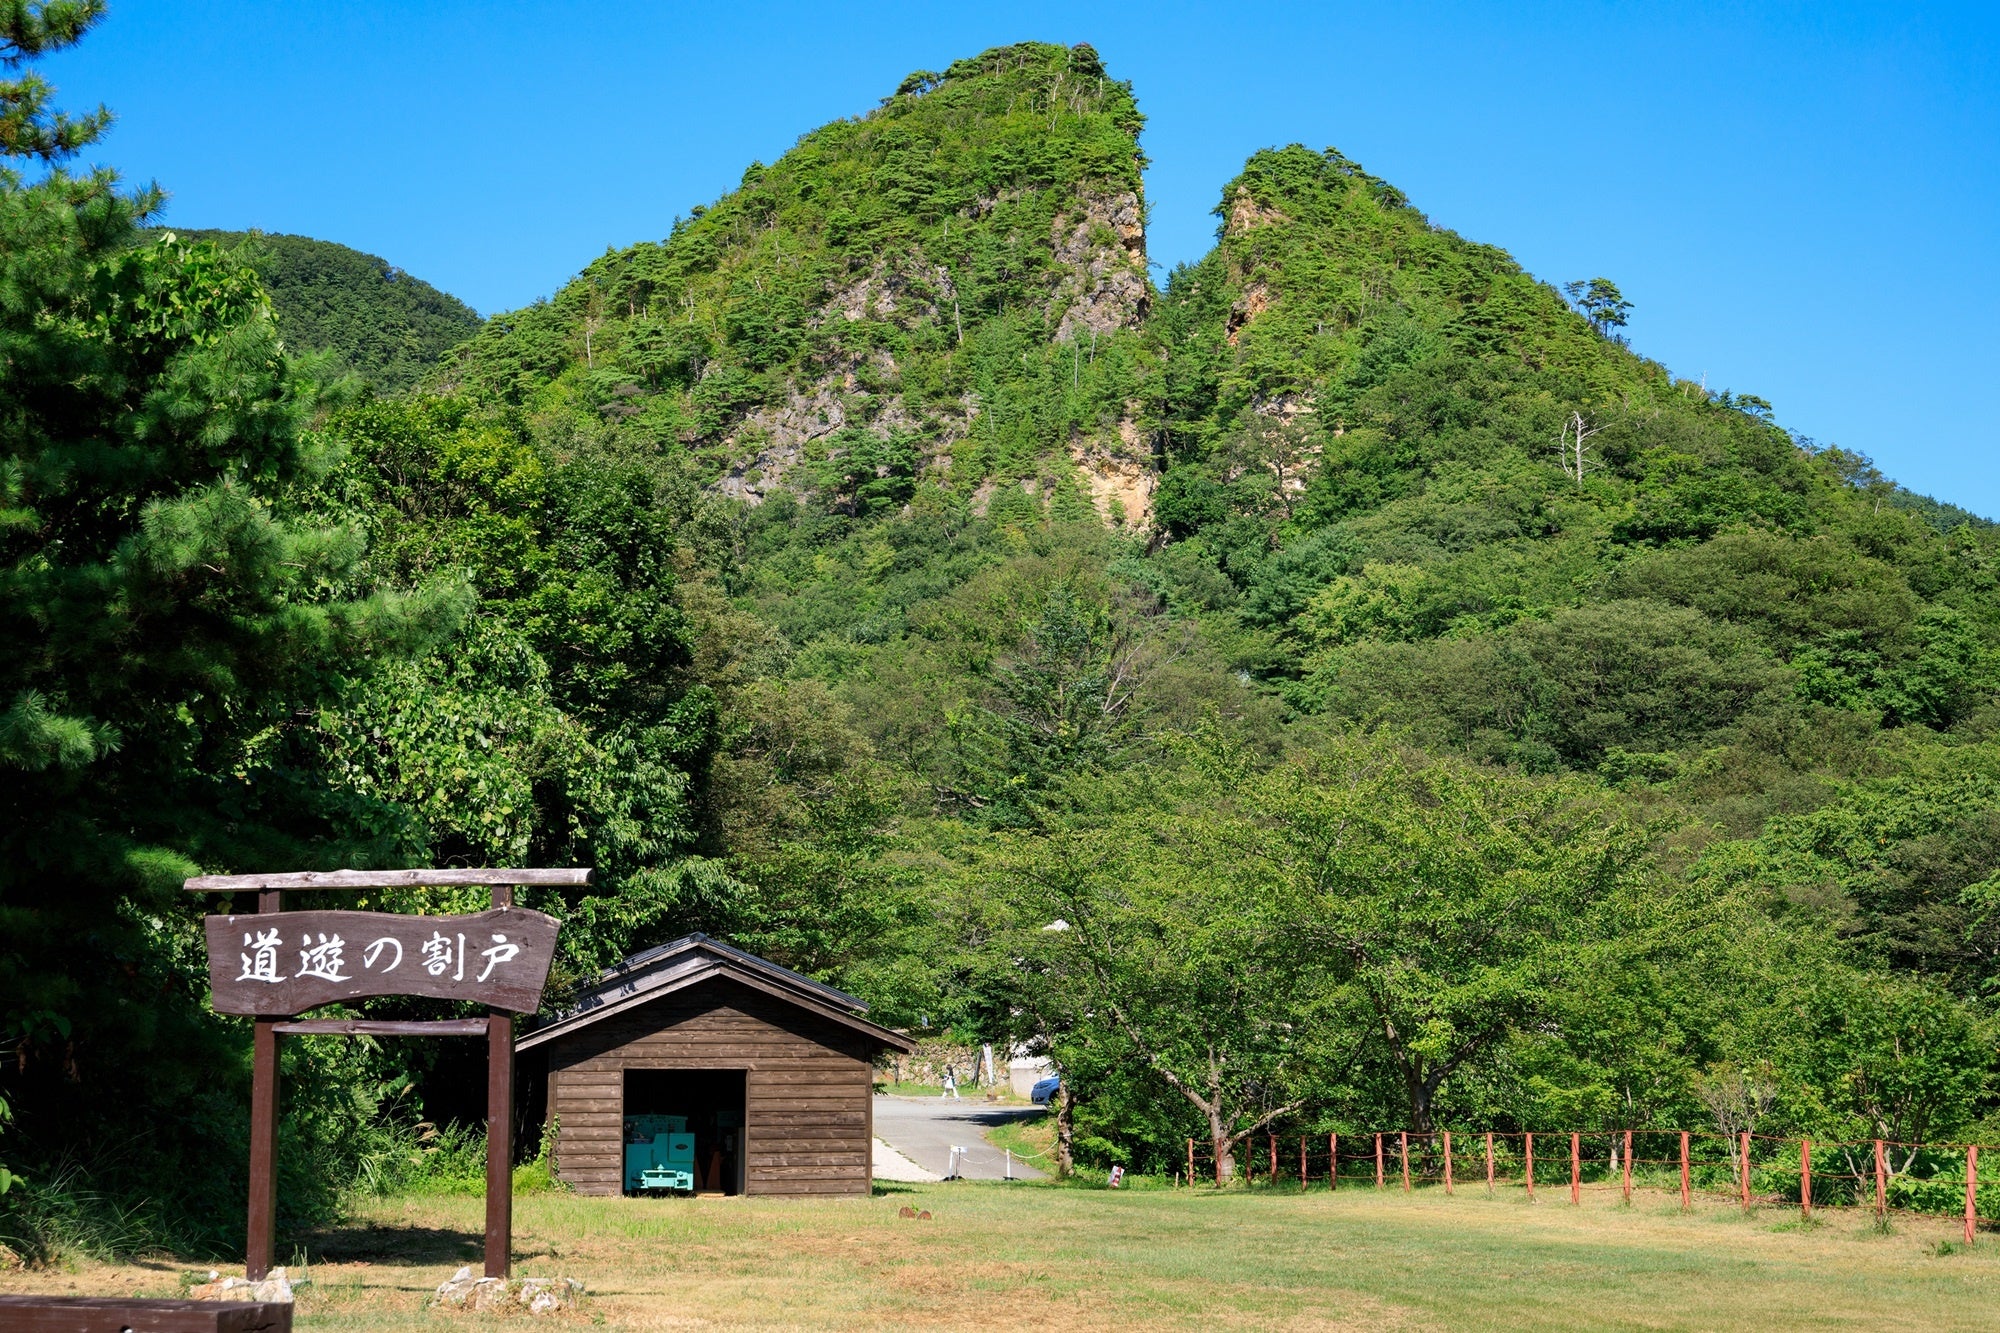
column 275, row 965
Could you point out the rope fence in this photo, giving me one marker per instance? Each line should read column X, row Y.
column 1884, row 1175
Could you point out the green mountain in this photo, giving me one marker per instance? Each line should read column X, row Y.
column 1011, row 523
column 1375, row 436
column 1347, row 437
column 376, row 320
column 901, row 292
column 1348, row 686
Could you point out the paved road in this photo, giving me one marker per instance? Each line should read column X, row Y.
column 924, row 1129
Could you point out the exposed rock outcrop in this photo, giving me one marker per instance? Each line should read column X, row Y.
column 1100, row 244
column 1103, row 245
column 1256, row 299
column 1120, row 479
column 1245, row 213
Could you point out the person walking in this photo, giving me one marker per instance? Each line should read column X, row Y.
column 950, row 1084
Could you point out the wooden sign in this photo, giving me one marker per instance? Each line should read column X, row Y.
column 276, row 964
column 285, row 963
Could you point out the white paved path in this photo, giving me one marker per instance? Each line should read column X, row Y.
column 892, row 1165
column 923, row 1131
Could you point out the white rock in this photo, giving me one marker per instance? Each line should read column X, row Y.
column 550, row 1295
column 276, row 1287
column 538, row 1295
column 456, row 1290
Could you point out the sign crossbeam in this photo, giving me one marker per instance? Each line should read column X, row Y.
column 388, row 879
column 368, row 1027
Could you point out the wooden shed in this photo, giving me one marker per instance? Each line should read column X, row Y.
column 774, row 1071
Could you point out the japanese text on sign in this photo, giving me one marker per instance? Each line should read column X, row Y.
column 283, row 965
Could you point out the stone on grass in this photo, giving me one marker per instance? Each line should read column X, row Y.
column 276, row 1287
column 457, row 1291
column 492, row 1295
column 547, row 1295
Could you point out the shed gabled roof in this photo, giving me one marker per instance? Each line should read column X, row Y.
column 655, row 972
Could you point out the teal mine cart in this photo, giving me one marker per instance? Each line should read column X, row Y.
column 659, row 1154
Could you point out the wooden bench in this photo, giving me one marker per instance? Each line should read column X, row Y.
column 105, row 1314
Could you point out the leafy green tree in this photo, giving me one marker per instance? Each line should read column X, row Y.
column 1881, row 1057
column 1136, row 954
column 863, row 474
column 1903, row 864
column 1451, row 909
column 1542, row 693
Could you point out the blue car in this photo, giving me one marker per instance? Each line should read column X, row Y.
column 1045, row 1092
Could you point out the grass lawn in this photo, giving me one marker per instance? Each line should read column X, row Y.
column 1031, row 1138
column 998, row 1255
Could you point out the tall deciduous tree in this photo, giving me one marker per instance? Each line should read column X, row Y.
column 1450, row 907
column 1136, row 953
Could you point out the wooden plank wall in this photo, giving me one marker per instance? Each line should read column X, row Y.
column 809, row 1086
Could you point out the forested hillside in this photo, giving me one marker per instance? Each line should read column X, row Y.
column 374, row 319
column 1348, row 686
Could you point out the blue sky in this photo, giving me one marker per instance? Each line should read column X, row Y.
column 1802, row 200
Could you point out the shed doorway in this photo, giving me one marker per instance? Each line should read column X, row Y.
column 712, row 1100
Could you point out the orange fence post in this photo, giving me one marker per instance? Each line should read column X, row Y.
column 1530, row 1154
column 1628, row 1166
column 1971, row 1190
column 1218, row 1170
column 1403, row 1151
column 1333, row 1161
column 1302, row 1163
column 1273, row 1137
column 1805, row 1179
column 1575, row 1169
column 1881, row 1183
column 1744, row 1173
column 1190, row 1163
column 1686, row 1201
column 1489, row 1161
column 1378, row 1161
column 1447, row 1161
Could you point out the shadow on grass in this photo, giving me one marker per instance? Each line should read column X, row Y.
column 373, row 1243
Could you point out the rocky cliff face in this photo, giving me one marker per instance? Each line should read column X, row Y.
column 1097, row 286
column 1119, row 474
column 955, row 282
column 1101, row 246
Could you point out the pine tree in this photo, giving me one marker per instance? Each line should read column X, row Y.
column 170, row 606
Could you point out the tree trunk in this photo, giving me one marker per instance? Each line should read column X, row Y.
column 1065, row 1131
column 1420, row 1106
column 1221, row 1145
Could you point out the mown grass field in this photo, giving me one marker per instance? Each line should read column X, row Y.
column 997, row 1256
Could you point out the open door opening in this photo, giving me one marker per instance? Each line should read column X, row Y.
column 708, row 1104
